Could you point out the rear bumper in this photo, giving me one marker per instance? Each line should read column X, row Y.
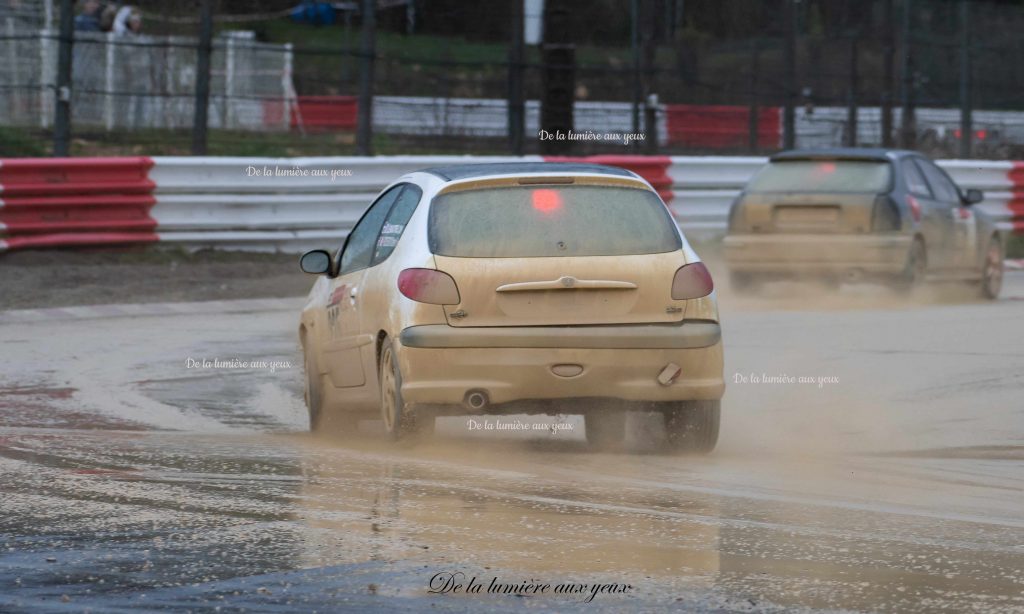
column 519, row 366
column 686, row 335
column 817, row 253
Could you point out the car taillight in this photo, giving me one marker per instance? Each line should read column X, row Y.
column 692, row 281
column 915, row 208
column 428, row 286
column 885, row 215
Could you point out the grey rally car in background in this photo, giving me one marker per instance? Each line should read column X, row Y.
column 861, row 214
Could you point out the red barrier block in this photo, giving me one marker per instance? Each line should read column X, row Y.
column 720, row 126
column 53, row 176
column 317, row 113
column 652, row 168
column 1016, row 203
column 76, row 240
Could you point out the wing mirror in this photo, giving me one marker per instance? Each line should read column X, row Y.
column 973, row 196
column 316, row 262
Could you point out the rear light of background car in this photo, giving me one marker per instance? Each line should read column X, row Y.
column 692, row 281
column 428, row 286
column 915, row 208
column 885, row 216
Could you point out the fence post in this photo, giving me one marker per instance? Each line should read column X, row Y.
column 286, row 88
column 202, row 99
column 908, row 129
column 108, row 83
column 227, row 117
column 789, row 112
column 367, row 51
column 754, row 118
column 887, row 73
column 516, row 113
column 62, row 94
column 966, row 103
column 851, row 109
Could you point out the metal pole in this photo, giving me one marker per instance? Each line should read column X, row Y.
column 202, row 99
column 62, row 94
column 516, row 105
column 754, row 142
column 789, row 112
column 851, row 109
column 634, row 8
column 887, row 73
column 908, row 130
column 966, row 104
column 367, row 51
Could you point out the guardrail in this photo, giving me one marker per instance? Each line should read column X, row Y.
column 290, row 204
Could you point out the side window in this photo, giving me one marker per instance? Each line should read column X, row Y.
column 394, row 224
column 359, row 247
column 915, row 180
column 942, row 186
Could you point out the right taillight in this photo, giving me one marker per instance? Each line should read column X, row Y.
column 885, row 216
column 915, row 208
column 428, row 286
column 692, row 281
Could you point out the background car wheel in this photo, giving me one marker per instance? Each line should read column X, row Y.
column 398, row 421
column 743, row 283
column 914, row 271
column 313, row 391
column 606, row 428
column 992, row 270
column 692, row 426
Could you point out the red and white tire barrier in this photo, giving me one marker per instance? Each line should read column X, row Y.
column 289, row 204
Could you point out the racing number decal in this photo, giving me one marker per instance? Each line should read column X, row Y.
column 334, row 310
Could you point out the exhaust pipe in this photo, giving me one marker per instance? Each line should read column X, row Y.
column 476, row 400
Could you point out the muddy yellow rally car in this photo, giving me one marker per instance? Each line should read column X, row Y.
column 861, row 214
column 515, row 288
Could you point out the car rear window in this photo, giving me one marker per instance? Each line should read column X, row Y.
column 822, row 176
column 550, row 220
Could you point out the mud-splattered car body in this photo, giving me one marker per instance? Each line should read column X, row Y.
column 847, row 214
column 515, row 288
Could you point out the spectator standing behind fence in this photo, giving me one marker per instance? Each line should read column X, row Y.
column 89, row 19
column 127, row 24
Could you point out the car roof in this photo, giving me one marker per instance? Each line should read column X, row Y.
column 489, row 169
column 842, row 153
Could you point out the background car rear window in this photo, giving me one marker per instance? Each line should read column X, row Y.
column 822, row 176
column 551, row 220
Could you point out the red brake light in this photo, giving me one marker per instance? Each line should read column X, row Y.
column 692, row 281
column 828, row 167
column 428, row 286
column 546, row 201
column 915, row 208
column 981, row 134
column 956, row 133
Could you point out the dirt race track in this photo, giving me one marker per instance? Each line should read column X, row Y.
column 892, row 481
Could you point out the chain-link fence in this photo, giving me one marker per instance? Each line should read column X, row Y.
column 281, row 83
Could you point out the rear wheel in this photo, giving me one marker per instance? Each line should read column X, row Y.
column 692, row 426
column 915, row 268
column 398, row 421
column 742, row 283
column 992, row 270
column 606, row 428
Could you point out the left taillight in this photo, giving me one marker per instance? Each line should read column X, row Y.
column 428, row 286
column 692, row 281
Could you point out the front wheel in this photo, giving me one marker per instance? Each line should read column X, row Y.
column 992, row 271
column 313, row 391
column 692, row 426
column 398, row 420
column 606, row 428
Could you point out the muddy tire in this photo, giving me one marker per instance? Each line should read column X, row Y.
column 606, row 428
column 692, row 426
column 914, row 270
column 992, row 270
column 399, row 421
column 743, row 283
column 313, row 393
